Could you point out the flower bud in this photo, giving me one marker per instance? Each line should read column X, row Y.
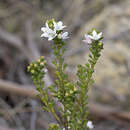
column 42, row 63
column 32, row 71
column 71, row 91
column 59, row 36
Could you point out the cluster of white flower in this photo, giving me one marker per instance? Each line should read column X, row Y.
column 94, row 36
column 51, row 33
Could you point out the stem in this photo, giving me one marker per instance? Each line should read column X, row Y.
column 55, row 115
column 86, row 72
column 59, row 68
column 62, row 84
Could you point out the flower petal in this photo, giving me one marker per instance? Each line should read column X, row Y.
column 84, row 41
column 87, row 39
column 60, row 23
column 91, row 37
column 100, row 35
column 65, row 35
column 50, row 38
column 90, row 125
column 86, row 36
column 55, row 25
column 94, row 33
column 43, row 29
column 58, row 26
column 47, row 25
column 44, row 35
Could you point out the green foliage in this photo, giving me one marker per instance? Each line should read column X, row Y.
column 85, row 80
column 73, row 96
column 54, row 127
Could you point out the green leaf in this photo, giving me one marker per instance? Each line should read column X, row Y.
column 45, row 108
column 64, row 67
column 91, row 82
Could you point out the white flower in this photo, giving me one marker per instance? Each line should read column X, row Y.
column 63, row 35
column 87, row 39
column 58, row 25
column 90, row 125
column 45, row 70
column 95, row 35
column 49, row 33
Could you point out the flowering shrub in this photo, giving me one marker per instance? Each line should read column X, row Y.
column 72, row 96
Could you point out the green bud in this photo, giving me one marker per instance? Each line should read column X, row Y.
column 71, row 91
column 100, row 43
column 32, row 71
column 42, row 63
column 50, row 23
column 35, row 65
column 29, row 68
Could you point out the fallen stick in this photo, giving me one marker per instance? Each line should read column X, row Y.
column 5, row 128
column 16, row 89
column 106, row 112
column 99, row 111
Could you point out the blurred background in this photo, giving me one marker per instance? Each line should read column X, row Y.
column 20, row 43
